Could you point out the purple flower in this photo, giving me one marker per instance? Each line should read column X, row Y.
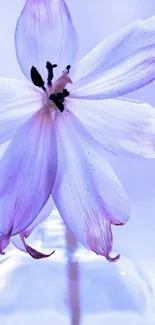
column 63, row 120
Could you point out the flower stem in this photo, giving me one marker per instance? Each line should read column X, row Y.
column 73, row 278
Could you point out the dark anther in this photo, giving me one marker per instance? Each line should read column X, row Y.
column 37, row 78
column 50, row 68
column 57, row 102
column 61, row 97
column 66, row 92
column 68, row 68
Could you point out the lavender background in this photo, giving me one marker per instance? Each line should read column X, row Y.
column 94, row 20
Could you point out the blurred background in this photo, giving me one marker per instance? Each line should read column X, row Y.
column 94, row 20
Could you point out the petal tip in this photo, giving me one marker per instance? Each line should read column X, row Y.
column 35, row 254
column 119, row 224
column 113, row 259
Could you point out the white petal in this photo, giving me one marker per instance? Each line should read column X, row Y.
column 123, row 126
column 19, row 240
column 123, row 62
column 27, row 173
column 45, row 33
column 18, row 243
column 86, row 192
column 18, row 101
column 43, row 215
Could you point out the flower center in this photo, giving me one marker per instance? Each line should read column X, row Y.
column 54, row 93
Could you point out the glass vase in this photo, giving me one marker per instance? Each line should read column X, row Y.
column 72, row 287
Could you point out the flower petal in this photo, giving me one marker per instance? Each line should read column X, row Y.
column 4, row 241
column 19, row 240
column 20, row 243
column 122, row 126
column 27, row 173
column 86, row 192
column 43, row 215
column 45, row 33
column 120, row 64
column 19, row 100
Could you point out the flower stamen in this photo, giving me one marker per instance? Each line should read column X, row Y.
column 59, row 98
column 56, row 92
column 68, row 68
column 57, row 102
column 50, row 68
column 37, row 78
